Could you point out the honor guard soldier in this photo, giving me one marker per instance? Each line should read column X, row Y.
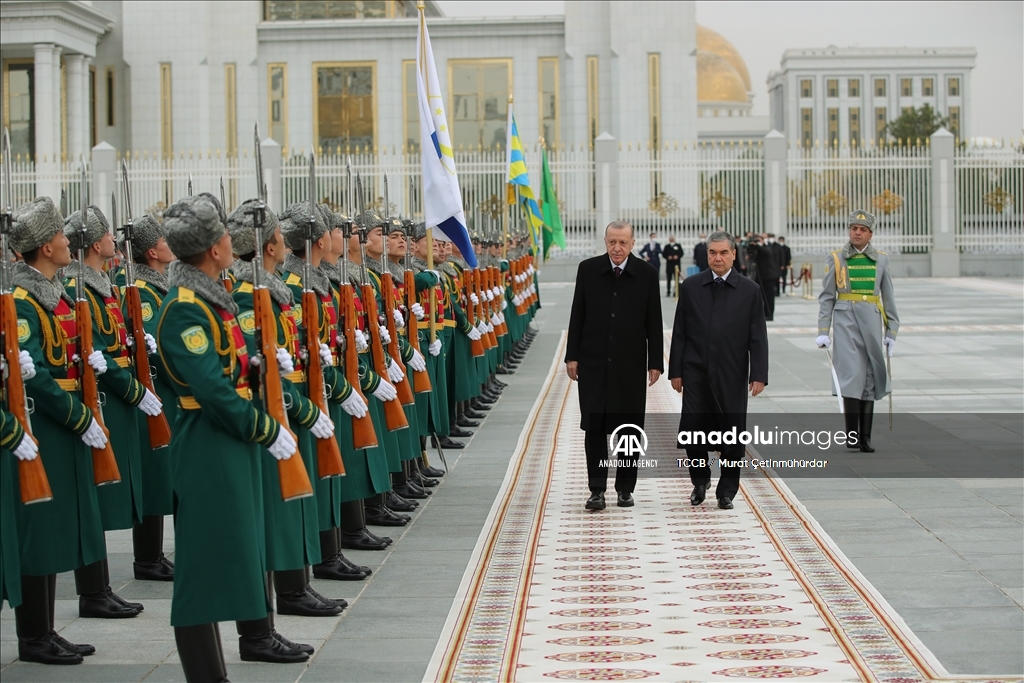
column 216, row 447
column 65, row 533
column 152, row 256
column 858, row 303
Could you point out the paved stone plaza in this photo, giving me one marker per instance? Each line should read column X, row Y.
column 947, row 555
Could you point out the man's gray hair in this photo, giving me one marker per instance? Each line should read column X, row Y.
column 722, row 236
column 617, row 225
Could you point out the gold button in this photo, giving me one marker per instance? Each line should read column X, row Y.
column 864, row 297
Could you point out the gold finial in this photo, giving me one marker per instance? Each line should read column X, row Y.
column 510, row 98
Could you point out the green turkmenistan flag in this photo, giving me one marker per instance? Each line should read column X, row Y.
column 554, row 233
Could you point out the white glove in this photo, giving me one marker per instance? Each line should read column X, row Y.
column 474, row 298
column 823, row 341
column 489, row 294
column 435, row 347
column 150, row 344
column 94, row 436
column 496, row 290
column 27, row 449
column 354, row 405
column 437, row 274
column 385, row 391
column 418, row 311
column 325, row 355
column 504, row 304
column 323, row 428
column 385, row 337
column 482, row 326
column 474, row 333
column 495, row 319
column 890, row 345
column 98, row 363
column 418, row 363
column 490, row 327
column 395, row 373
column 529, row 269
column 284, row 362
column 150, row 404
column 533, row 288
column 283, row 446
column 517, row 300
column 399, row 320
column 501, row 316
column 361, row 344
column 28, row 367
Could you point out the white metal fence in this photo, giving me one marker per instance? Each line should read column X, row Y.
column 990, row 199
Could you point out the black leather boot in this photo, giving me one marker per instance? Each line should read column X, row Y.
column 294, row 599
column 96, row 599
column 867, row 416
column 851, row 416
column 399, row 503
column 34, row 628
column 200, row 653
column 256, row 643
column 148, row 543
column 380, row 515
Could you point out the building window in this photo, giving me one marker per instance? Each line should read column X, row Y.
column 854, row 121
column 110, row 95
column 654, row 99
column 879, row 87
column 805, row 87
column 297, row 10
column 277, row 96
column 230, row 110
column 344, row 105
column 593, row 100
column 833, row 127
column 479, row 91
column 19, row 94
column 832, row 87
column 880, row 121
column 547, row 77
column 954, row 121
column 853, row 87
column 927, row 87
column 954, row 87
column 906, row 87
column 806, row 127
column 410, row 105
column 166, row 112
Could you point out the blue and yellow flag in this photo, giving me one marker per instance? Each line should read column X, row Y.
column 520, row 178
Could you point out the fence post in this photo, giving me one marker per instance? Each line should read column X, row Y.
column 775, row 174
column 104, row 179
column 606, row 189
column 271, row 153
column 944, row 252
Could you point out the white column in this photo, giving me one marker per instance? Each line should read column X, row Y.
column 76, row 107
column 944, row 253
column 87, row 112
column 775, row 174
column 43, row 96
column 606, row 165
column 58, row 105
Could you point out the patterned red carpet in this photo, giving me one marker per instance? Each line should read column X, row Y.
column 663, row 590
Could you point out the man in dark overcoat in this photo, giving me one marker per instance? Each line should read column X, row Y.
column 700, row 254
column 614, row 350
column 719, row 351
column 767, row 276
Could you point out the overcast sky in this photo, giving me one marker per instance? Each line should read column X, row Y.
column 761, row 31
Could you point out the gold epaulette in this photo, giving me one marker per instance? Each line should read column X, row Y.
column 186, row 295
column 293, row 279
column 245, row 287
column 20, row 293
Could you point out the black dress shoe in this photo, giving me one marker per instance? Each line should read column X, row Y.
column 477, row 404
column 447, row 442
column 386, row 540
column 334, row 602
column 303, row 604
column 298, row 647
column 45, row 651
column 596, row 501
column 464, row 421
column 134, row 605
column 336, row 570
column 413, row 486
column 433, row 472
column 625, row 499
column 104, row 606
column 504, row 370
column 700, row 491
column 352, row 541
column 423, row 482
column 725, row 503
column 157, row 570
column 398, row 503
column 342, row 560
column 83, row 649
column 456, row 430
column 410, row 492
column 499, row 383
column 472, row 414
column 483, row 399
column 380, row 515
column 267, row 648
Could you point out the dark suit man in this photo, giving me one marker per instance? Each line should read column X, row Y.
column 719, row 350
column 614, row 350
column 767, row 276
column 651, row 252
column 673, row 253
column 700, row 254
column 785, row 263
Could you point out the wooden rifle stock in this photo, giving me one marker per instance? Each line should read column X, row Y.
column 363, row 434
column 394, row 416
column 328, row 455
column 484, row 310
column 159, row 429
column 421, row 378
column 35, row 487
column 292, row 472
column 495, row 279
column 405, row 395
column 476, row 346
column 104, row 465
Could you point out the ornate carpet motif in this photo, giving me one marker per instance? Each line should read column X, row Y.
column 663, row 590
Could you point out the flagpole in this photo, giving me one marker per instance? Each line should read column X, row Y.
column 420, row 7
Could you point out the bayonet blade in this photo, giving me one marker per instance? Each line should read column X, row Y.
column 113, row 211
column 312, row 184
column 223, row 201
column 261, row 189
column 128, row 215
column 189, row 184
column 8, row 183
column 63, row 202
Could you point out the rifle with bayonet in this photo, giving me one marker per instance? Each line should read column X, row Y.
column 387, row 291
column 225, row 275
column 159, row 429
column 421, row 378
column 34, row 485
column 104, row 464
column 295, row 481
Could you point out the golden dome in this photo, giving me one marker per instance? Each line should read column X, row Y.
column 710, row 41
column 717, row 80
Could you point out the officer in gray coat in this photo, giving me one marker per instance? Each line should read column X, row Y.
column 858, row 303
